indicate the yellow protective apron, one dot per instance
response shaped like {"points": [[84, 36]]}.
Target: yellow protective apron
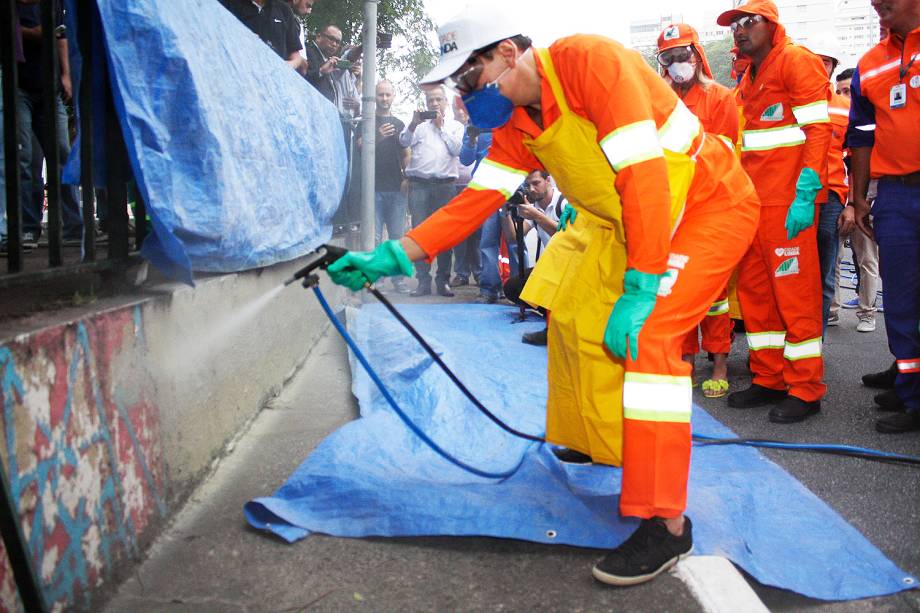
{"points": [[580, 277]]}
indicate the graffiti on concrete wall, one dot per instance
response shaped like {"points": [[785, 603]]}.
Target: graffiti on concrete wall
{"points": [[81, 445]]}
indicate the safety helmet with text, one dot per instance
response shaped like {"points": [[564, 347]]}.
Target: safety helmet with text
{"points": [[683, 35]]}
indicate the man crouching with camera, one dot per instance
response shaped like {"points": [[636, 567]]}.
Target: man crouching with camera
{"points": [[539, 205]]}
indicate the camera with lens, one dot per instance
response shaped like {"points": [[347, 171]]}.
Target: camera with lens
{"points": [[519, 197]]}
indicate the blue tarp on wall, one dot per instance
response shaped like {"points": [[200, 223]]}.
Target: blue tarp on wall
{"points": [[240, 161], [373, 477]]}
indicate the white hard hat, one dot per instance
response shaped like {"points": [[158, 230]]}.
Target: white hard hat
{"points": [[474, 28], [825, 45]]}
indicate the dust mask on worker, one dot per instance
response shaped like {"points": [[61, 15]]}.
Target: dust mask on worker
{"points": [[487, 107], [682, 72]]}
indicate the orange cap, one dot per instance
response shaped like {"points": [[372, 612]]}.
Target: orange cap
{"points": [[765, 8], [683, 35]]}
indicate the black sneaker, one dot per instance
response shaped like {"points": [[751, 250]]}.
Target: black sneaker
{"points": [[792, 410], [650, 550], [535, 338], [882, 380], [570, 456], [889, 401], [755, 396], [898, 423], [459, 281]]}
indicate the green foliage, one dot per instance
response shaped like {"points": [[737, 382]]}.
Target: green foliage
{"points": [[719, 54], [412, 53]]}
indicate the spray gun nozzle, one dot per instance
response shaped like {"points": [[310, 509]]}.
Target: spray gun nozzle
{"points": [[324, 255]]}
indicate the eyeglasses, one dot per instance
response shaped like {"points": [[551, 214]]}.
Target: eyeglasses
{"points": [[745, 22], [333, 39], [678, 54]]}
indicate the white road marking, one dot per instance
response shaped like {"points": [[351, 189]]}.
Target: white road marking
{"points": [[718, 586]]}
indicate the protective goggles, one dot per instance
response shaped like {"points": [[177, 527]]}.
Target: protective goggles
{"points": [[465, 80], [745, 22], [675, 55]]}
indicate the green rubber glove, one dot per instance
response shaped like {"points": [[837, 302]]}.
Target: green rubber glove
{"points": [[568, 216], [801, 213], [630, 312], [356, 268]]}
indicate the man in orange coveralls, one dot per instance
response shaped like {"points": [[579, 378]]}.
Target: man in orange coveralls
{"points": [[785, 135], [664, 213], [687, 70]]}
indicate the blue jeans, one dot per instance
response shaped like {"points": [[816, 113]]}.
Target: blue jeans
{"points": [[390, 210], [490, 283], [32, 121], [424, 200], [828, 243], [896, 219]]}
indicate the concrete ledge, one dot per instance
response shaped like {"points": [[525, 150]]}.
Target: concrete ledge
{"points": [[113, 415]]}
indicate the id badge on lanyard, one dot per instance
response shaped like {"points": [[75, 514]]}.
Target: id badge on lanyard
{"points": [[897, 97]]}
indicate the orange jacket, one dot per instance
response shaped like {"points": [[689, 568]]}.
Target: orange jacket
{"points": [[785, 124], [839, 111], [715, 106], [629, 104], [896, 132]]}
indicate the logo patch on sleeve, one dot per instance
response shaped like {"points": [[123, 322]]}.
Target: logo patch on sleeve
{"points": [[774, 112], [787, 268]]}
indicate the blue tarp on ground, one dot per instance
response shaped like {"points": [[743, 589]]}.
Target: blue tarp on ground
{"points": [[240, 161], [373, 477]]}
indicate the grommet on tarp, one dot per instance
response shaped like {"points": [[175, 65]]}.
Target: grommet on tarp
{"points": [[551, 534]]}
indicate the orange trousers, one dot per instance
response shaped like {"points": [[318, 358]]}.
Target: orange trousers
{"points": [[779, 287], [716, 329], [657, 392]]}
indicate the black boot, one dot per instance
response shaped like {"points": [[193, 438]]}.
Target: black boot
{"points": [[889, 401], [882, 380], [535, 338], [755, 396], [792, 410], [570, 456]]}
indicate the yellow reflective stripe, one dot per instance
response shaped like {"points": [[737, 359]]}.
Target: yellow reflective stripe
{"points": [[727, 141], [679, 131], [877, 71], [805, 349], [772, 138], [718, 308], [501, 178], [816, 112], [766, 340], [660, 398], [632, 144]]}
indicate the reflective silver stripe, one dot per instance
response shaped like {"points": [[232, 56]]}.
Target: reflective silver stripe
{"points": [[805, 349], [766, 340], [657, 397], [835, 110], [869, 127], [632, 144], [501, 178], [679, 131], [877, 71], [908, 366], [772, 138], [816, 112]]}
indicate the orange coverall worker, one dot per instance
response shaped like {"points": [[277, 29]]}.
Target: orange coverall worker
{"points": [[839, 112], [714, 105], [630, 158], [785, 128]]}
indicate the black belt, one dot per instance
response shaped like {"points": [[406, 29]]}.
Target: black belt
{"points": [[432, 180], [908, 179]]}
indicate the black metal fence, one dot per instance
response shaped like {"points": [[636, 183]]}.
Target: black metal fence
{"points": [[112, 229]]}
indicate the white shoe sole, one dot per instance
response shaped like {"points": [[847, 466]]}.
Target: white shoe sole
{"points": [[637, 579]]}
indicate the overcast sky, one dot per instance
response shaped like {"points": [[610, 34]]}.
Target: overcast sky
{"points": [[547, 20]]}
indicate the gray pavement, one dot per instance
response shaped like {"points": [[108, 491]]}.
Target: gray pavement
{"points": [[210, 560]]}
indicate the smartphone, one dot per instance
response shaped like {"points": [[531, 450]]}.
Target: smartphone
{"points": [[428, 115], [343, 64]]}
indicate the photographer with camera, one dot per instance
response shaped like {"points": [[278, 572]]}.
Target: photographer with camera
{"points": [[539, 206], [435, 141], [323, 59]]}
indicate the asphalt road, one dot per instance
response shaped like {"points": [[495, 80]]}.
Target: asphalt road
{"points": [[210, 560]]}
